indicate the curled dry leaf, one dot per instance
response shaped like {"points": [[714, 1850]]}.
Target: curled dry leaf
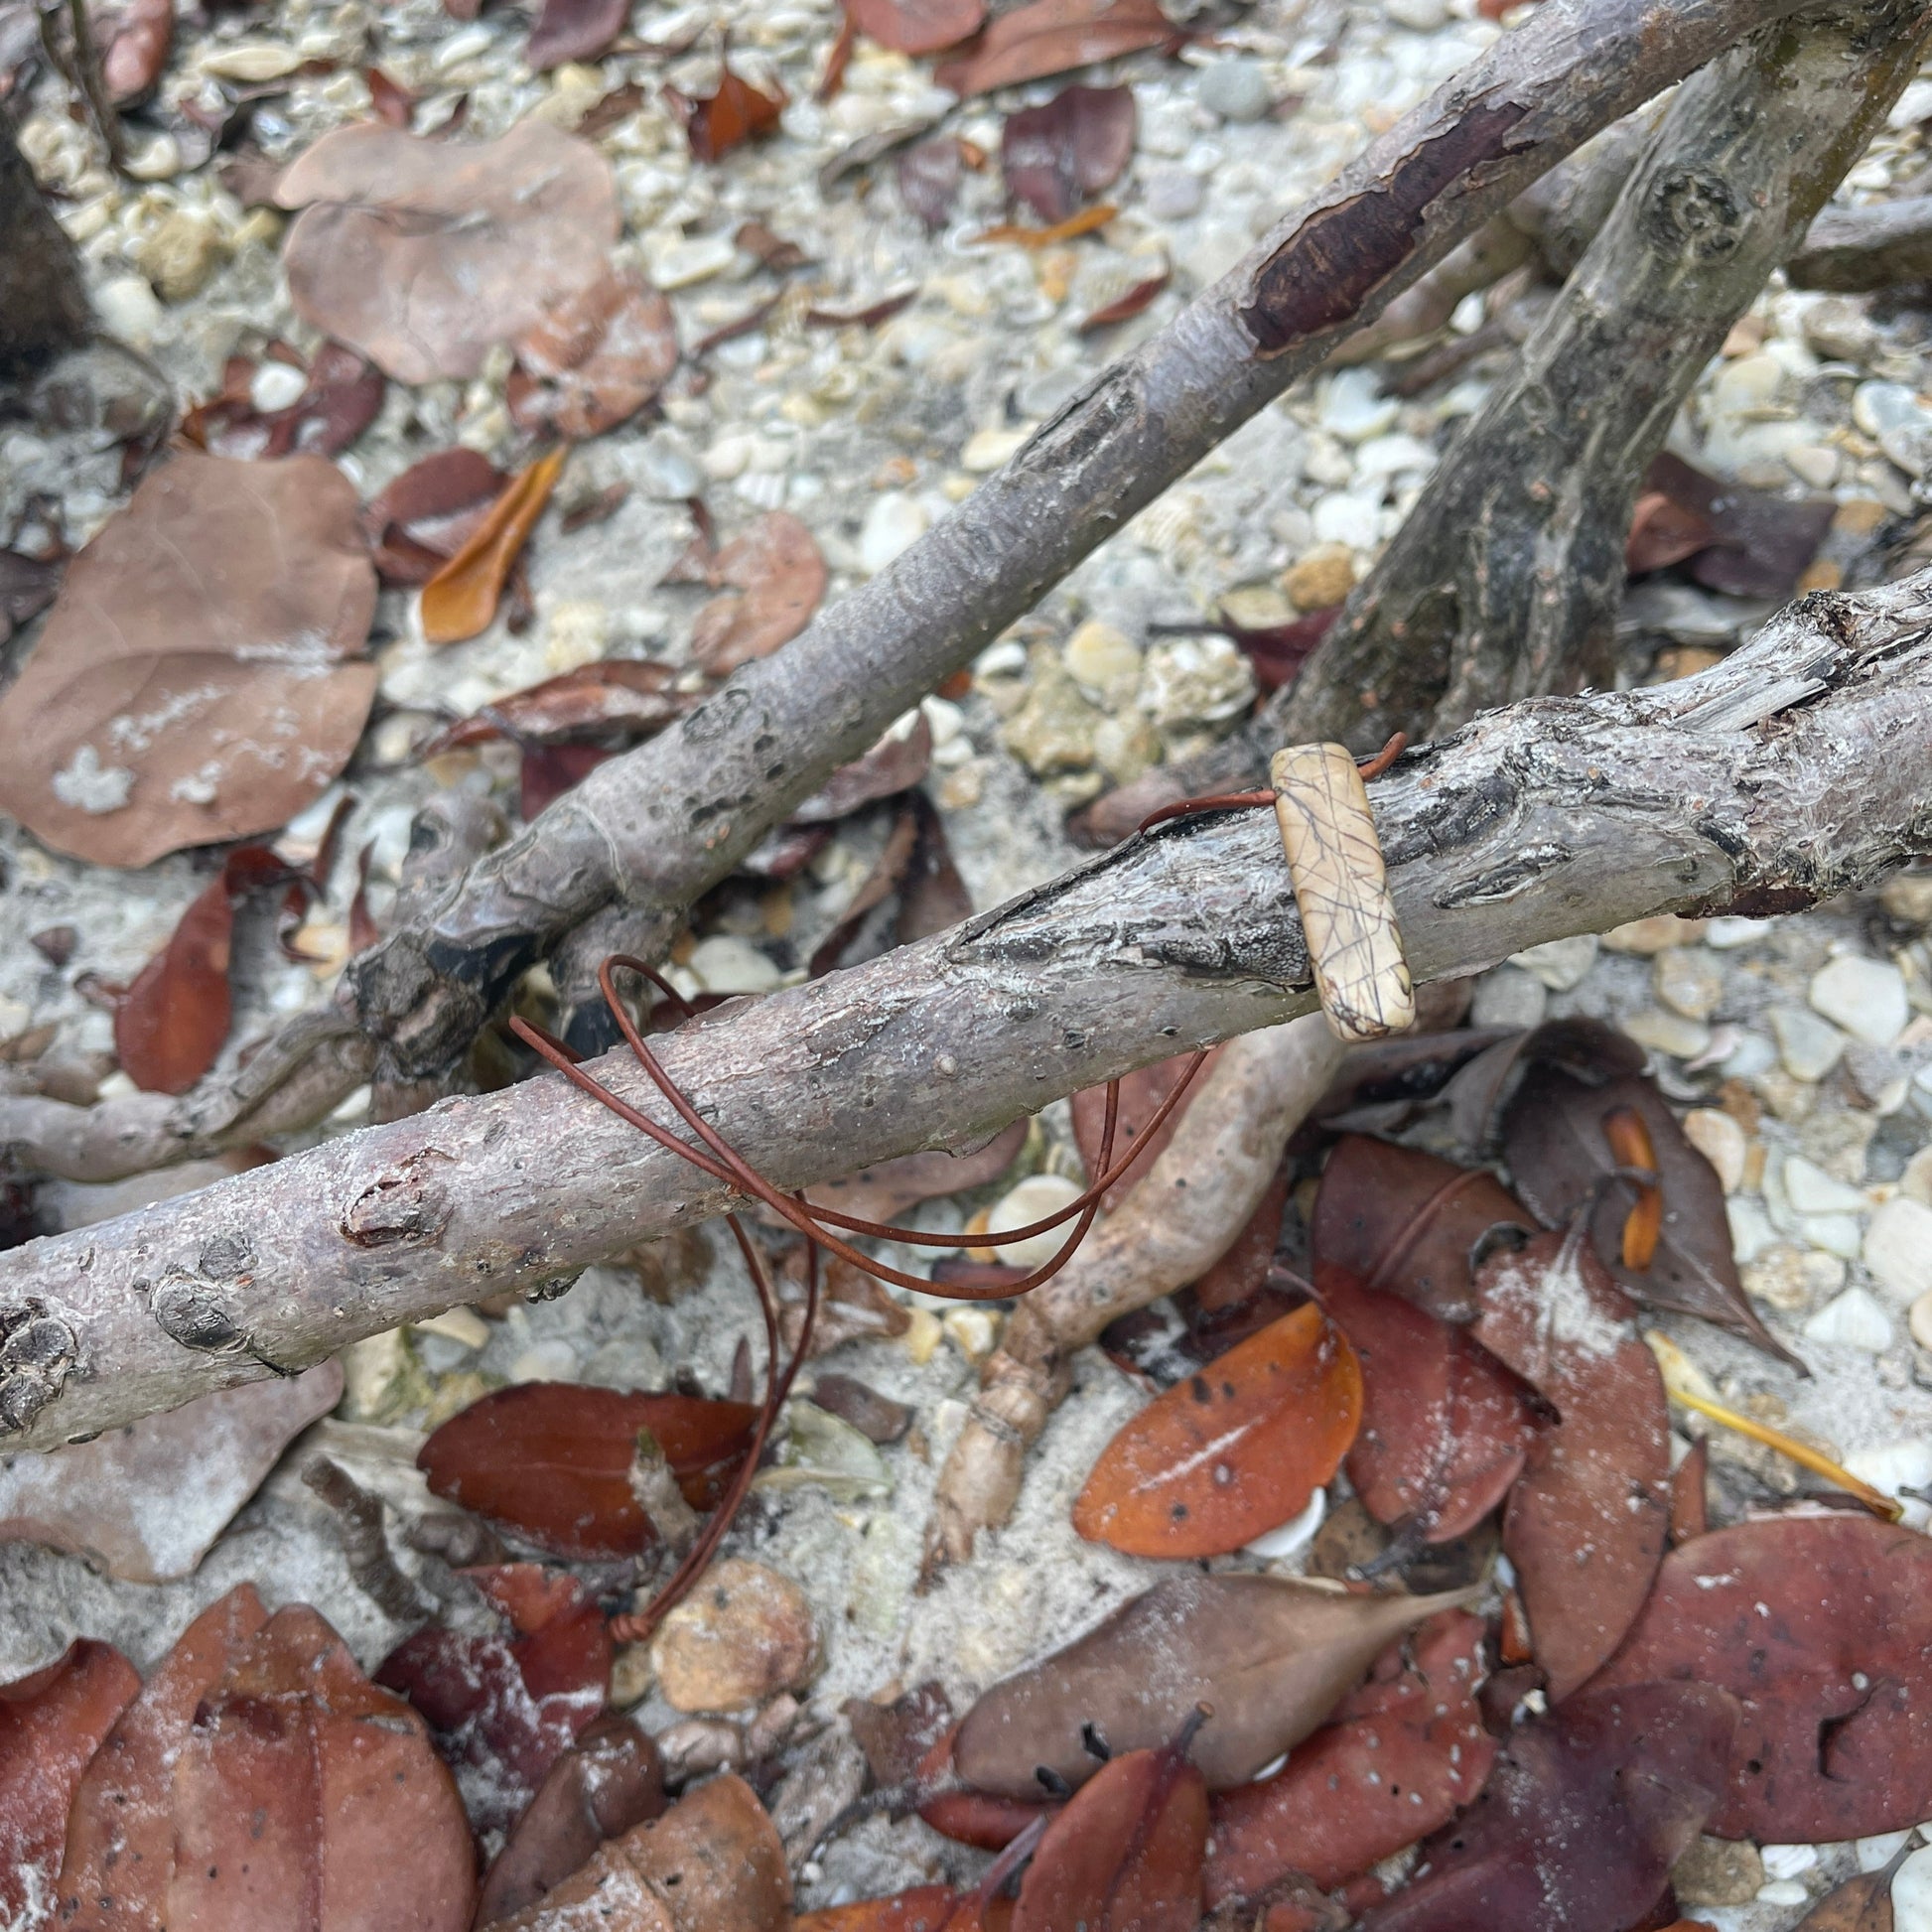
{"points": [[898, 761], [119, 1860], [777, 579], [1231, 1451], [615, 694], [1273, 1657], [928, 179], [597, 356], [419, 521], [191, 683], [917, 27], [573, 29], [1400, 1219], [736, 111], [552, 1461], [1861, 1904], [51, 1725], [883, 1193], [460, 601], [1057, 155], [146, 1502], [134, 57], [1126, 1853], [713, 1863], [609, 1780], [1690, 1501], [344, 396], [1272, 662], [1756, 543], [1561, 1140], [1400, 1758], [1444, 1428], [300, 1780], [895, 1737], [1822, 1625], [425, 253], [1274, 651], [505, 1709], [1588, 1517], [1052, 37], [1582, 1818]]}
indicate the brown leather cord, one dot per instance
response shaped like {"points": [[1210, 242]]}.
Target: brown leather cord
{"points": [[1242, 801]]}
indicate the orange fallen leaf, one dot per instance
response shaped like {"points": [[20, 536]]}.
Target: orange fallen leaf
{"points": [[737, 111], [1232, 1451], [1085, 222], [460, 598], [1630, 1139]]}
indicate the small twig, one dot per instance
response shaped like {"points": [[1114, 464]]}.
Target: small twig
{"points": [[366, 1548], [87, 75], [659, 1497]]}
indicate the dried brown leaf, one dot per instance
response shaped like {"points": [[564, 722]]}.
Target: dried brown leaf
{"points": [[145, 1503], [417, 523], [344, 395], [461, 599], [1761, 542], [137, 52], [191, 683], [1057, 156], [599, 355], [777, 577], [1274, 666], [736, 111], [917, 27], [883, 1193], [898, 761], [573, 29], [1273, 1656], [614, 694], [928, 179], [1053, 36], [425, 253]]}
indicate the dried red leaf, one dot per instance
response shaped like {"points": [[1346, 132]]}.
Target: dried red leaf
{"points": [[895, 1737], [870, 317], [928, 179], [52, 1724], [1582, 1818], [1277, 651], [344, 396], [1057, 156], [1232, 1451], [609, 1780], [505, 1709], [133, 59], [27, 584], [425, 253], [1663, 533], [925, 1909], [421, 519], [119, 1859], [1587, 1518], [552, 1461], [1238, 1276], [600, 355], [300, 1781], [1761, 542], [917, 27], [1690, 1505], [460, 601], [883, 1193], [573, 29], [772, 251], [1053, 36], [1142, 1093], [898, 761], [736, 112], [394, 104], [190, 684], [1271, 1655], [1444, 1430], [777, 577], [1558, 1144], [1400, 1219], [1122, 309], [547, 771], [1400, 1758], [613, 110], [1126, 1853], [614, 694], [1822, 1625]]}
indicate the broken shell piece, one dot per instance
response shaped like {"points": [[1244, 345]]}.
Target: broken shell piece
{"points": [[1341, 887]]}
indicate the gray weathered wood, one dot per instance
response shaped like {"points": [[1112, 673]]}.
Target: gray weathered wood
{"points": [[1797, 769]]}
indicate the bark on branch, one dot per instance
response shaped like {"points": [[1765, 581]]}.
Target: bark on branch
{"points": [[1797, 769]]}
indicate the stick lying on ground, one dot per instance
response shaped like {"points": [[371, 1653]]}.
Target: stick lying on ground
{"points": [[654, 829], [1796, 769]]}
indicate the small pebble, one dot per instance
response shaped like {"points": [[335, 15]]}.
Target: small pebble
{"points": [[1290, 1539], [1668, 1033], [1718, 1871], [1898, 1248], [1751, 1232], [1507, 996], [275, 385], [1854, 1320], [989, 449], [1172, 193], [1652, 935], [1787, 1861], [1560, 964], [1907, 896], [1686, 980], [922, 1336], [545, 1361], [725, 963], [1721, 1141], [1915, 1183], [1894, 1468], [1792, 1280], [1104, 660], [973, 1332], [1236, 89], [1894, 418], [745, 1633], [1807, 1047], [1419, 15], [1353, 406], [1874, 1854], [1912, 1893], [1352, 518], [681, 261], [1727, 933], [893, 522], [125, 306], [1036, 1197], [1783, 1891], [1321, 577], [1811, 1190], [1867, 997]]}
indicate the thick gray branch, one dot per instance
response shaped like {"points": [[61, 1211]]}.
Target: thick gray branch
{"points": [[1856, 249], [1797, 769]]}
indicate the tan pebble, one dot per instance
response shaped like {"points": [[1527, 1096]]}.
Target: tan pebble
{"points": [[1104, 660], [1752, 1179], [1718, 1871], [630, 1674], [1648, 936], [1686, 980], [1668, 1033], [1036, 1197], [1918, 1319], [1860, 516], [1256, 607], [1321, 579], [961, 788], [1788, 1099], [973, 1332], [1821, 574], [1721, 1141], [1908, 898], [1915, 1183], [179, 253], [1684, 660], [742, 1634], [922, 1335]]}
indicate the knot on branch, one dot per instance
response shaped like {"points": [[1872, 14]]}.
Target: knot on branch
{"points": [[188, 1309], [1695, 213], [37, 1352], [408, 1203]]}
